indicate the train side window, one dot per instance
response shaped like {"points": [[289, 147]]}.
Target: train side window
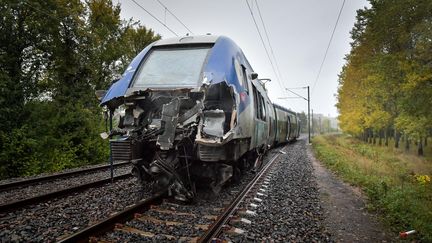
{"points": [[241, 75], [245, 80], [259, 104], [263, 107], [256, 102]]}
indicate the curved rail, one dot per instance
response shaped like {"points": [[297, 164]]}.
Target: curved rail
{"points": [[41, 198], [29, 182], [215, 229]]}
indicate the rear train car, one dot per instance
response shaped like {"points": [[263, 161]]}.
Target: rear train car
{"points": [[288, 125]]}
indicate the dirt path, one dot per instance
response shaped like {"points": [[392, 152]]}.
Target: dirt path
{"points": [[344, 208]]}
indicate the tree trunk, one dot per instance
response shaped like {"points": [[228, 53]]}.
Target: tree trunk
{"points": [[373, 138], [407, 143], [386, 137], [420, 147], [397, 137], [380, 138], [425, 143]]}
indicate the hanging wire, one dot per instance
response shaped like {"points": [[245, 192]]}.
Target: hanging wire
{"points": [[168, 28], [265, 47], [328, 46], [169, 11]]}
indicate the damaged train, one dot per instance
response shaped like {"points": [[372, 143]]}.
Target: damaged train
{"points": [[193, 111]]}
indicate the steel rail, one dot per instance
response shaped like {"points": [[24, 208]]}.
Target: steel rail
{"points": [[29, 182], [215, 229], [41, 198], [109, 223]]}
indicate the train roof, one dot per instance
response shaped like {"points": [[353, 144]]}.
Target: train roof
{"points": [[200, 39], [218, 66], [284, 109]]}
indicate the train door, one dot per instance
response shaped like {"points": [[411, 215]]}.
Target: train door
{"points": [[245, 118], [271, 123], [298, 127], [294, 127], [289, 128], [261, 129]]}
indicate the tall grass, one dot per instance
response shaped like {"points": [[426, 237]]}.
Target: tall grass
{"points": [[395, 183]]}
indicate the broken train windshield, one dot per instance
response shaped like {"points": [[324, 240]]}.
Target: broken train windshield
{"points": [[171, 67]]}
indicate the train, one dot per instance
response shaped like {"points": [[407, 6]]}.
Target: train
{"points": [[193, 112]]}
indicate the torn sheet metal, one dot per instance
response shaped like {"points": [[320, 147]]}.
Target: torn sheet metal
{"points": [[214, 121], [188, 114], [169, 121]]}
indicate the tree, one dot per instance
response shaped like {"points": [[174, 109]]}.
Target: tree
{"points": [[53, 55], [386, 84]]}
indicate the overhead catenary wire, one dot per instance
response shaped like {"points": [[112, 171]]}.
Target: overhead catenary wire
{"points": [[169, 11], [265, 47], [168, 28], [298, 96], [268, 40], [328, 46], [40, 11]]}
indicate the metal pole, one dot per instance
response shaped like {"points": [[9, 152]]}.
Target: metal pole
{"points": [[313, 129], [309, 130], [111, 158]]}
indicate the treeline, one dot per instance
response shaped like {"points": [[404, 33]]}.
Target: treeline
{"points": [[320, 124], [53, 55], [386, 85]]}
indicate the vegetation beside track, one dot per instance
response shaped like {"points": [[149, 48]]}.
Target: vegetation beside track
{"points": [[54, 54], [397, 184]]}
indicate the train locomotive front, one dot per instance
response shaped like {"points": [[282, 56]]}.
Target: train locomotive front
{"points": [[185, 114]]}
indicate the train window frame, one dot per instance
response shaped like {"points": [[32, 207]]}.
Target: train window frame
{"points": [[241, 75], [256, 102], [264, 110], [245, 78], [132, 85], [259, 105]]}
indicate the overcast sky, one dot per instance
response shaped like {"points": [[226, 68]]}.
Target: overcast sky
{"points": [[299, 33]]}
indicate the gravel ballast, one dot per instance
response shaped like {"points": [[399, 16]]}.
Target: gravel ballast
{"points": [[59, 184], [53, 219], [290, 210]]}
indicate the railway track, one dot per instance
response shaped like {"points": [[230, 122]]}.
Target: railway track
{"points": [[55, 194], [159, 219], [33, 181]]}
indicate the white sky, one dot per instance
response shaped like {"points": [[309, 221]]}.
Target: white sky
{"points": [[299, 32]]}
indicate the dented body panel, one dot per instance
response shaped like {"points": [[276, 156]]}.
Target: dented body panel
{"points": [[191, 112]]}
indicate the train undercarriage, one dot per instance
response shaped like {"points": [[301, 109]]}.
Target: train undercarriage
{"points": [[179, 139]]}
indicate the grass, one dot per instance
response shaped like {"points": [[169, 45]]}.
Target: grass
{"points": [[390, 178]]}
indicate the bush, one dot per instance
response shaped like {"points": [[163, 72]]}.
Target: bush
{"points": [[57, 138]]}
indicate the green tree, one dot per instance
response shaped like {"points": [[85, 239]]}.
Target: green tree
{"points": [[53, 55], [386, 84]]}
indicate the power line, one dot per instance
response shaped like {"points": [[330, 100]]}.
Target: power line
{"points": [[265, 48], [174, 16], [41, 11], [139, 5], [297, 88], [268, 40], [328, 46], [299, 96]]}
